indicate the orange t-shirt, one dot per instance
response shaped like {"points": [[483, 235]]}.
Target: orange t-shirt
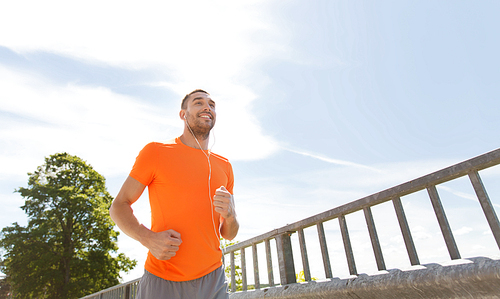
{"points": [[177, 177]]}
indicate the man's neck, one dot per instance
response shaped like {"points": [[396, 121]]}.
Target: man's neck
{"points": [[188, 139]]}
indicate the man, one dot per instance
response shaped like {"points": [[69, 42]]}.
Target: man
{"points": [[190, 193]]}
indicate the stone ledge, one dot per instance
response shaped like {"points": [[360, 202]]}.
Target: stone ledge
{"points": [[467, 278]]}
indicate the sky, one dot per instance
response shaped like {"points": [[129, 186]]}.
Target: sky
{"points": [[319, 103]]}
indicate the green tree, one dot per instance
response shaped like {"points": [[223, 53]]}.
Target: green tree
{"points": [[69, 247]]}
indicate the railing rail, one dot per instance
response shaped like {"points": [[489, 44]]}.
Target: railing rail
{"points": [[122, 291], [282, 235]]}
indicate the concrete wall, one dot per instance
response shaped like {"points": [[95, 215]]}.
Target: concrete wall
{"points": [[465, 278]]}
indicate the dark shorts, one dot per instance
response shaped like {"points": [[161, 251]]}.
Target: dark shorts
{"points": [[211, 286]]}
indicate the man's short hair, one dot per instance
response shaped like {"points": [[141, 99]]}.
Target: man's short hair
{"points": [[183, 104]]}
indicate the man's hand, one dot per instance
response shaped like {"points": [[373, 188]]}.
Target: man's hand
{"points": [[224, 203], [163, 245]]}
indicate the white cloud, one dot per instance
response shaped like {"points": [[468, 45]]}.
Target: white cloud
{"points": [[198, 45], [152, 32], [330, 160], [458, 193], [102, 127], [462, 231]]}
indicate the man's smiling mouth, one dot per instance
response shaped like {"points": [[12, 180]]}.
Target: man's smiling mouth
{"points": [[205, 115]]}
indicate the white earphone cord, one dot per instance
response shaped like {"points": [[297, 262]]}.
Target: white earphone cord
{"points": [[209, 188]]}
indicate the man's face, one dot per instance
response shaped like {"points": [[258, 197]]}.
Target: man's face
{"points": [[200, 113]]}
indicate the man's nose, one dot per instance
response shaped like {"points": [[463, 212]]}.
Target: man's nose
{"points": [[207, 107]]}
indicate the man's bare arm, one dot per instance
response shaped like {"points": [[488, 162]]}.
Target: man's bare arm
{"points": [[163, 245], [229, 228]]}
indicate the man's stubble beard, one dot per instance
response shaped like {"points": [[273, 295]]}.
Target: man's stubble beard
{"points": [[202, 132]]}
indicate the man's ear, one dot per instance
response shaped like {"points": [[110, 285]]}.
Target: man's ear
{"points": [[182, 114]]}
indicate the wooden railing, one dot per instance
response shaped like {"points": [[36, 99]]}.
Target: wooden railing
{"points": [[429, 182]]}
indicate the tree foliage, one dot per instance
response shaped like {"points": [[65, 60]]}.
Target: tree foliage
{"points": [[69, 247]]}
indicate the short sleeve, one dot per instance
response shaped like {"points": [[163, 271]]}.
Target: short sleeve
{"points": [[144, 168], [230, 179]]}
